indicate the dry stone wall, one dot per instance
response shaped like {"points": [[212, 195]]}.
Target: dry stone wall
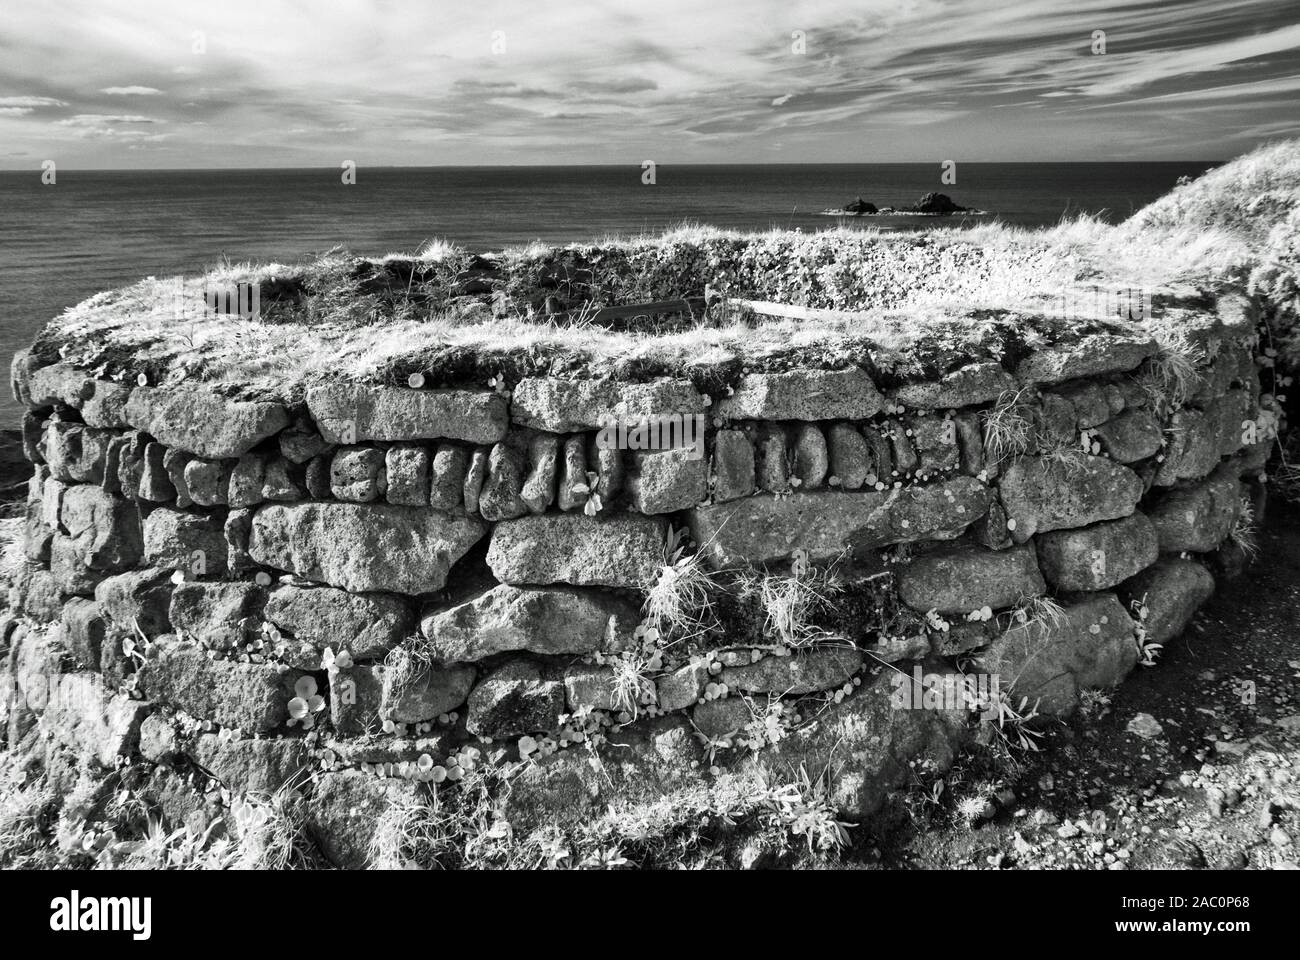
{"points": [[380, 578]]}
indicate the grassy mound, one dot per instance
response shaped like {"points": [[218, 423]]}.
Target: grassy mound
{"points": [[919, 301]]}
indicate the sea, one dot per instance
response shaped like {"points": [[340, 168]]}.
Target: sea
{"points": [[92, 230]]}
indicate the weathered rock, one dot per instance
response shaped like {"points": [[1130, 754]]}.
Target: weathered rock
{"points": [[966, 387], [366, 624], [251, 766], [217, 614], [58, 383], [155, 483], [38, 593], [823, 668], [345, 812], [138, 598], [357, 474], [935, 439], [174, 462], [553, 621], [961, 579], [773, 459], [867, 745], [301, 441], [207, 481], [1041, 495], [591, 688], [69, 573], [538, 492], [362, 547], [803, 395], [83, 715], [768, 530], [105, 529], [84, 629], [719, 719], [1171, 590], [500, 497], [579, 550], [1098, 556], [1054, 421], [683, 687], [253, 697], [159, 741], [352, 413], [514, 700], [318, 477], [902, 451], [663, 481], [1134, 435], [356, 698], [281, 482], [1193, 451], [569, 406], [1232, 417], [406, 466], [811, 458], [447, 478], [128, 453], [970, 445], [194, 542], [1093, 647], [434, 691], [850, 457], [1088, 399], [611, 471], [201, 421], [574, 490], [475, 476], [75, 453], [246, 480], [1090, 356], [882, 455], [1199, 517], [236, 529]]}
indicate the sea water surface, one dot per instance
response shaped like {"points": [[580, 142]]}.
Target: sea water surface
{"points": [[92, 230]]}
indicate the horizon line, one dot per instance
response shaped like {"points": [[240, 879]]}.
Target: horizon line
{"points": [[633, 165]]}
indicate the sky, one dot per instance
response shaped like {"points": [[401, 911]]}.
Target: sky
{"points": [[270, 83]]}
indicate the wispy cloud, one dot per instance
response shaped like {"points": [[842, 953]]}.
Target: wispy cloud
{"points": [[135, 91], [398, 81]]}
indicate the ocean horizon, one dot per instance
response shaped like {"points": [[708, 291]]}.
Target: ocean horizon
{"points": [[96, 229]]}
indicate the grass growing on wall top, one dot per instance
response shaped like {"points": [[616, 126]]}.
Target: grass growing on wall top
{"points": [[926, 300]]}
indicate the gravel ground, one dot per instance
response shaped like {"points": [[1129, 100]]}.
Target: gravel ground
{"points": [[1180, 770]]}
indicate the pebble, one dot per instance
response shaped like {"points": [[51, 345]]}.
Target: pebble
{"points": [[1145, 726]]}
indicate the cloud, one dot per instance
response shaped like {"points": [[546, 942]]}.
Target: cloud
{"points": [[623, 85], [131, 91], [399, 82], [30, 103]]}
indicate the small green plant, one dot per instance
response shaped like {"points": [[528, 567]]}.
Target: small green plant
{"points": [[1045, 611], [1171, 376], [1008, 426], [680, 603], [1244, 533], [805, 808], [1093, 703], [974, 806], [1010, 723]]}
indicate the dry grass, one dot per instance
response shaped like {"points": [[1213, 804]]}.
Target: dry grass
{"points": [[942, 293]]}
